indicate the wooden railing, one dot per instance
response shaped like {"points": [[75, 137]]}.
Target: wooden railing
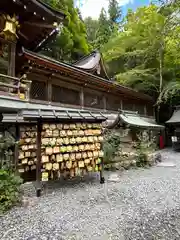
{"points": [[13, 86]]}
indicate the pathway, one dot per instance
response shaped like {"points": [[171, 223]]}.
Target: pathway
{"points": [[144, 204]]}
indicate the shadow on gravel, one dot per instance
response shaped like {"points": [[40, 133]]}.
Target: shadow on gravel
{"points": [[161, 226], [62, 184]]}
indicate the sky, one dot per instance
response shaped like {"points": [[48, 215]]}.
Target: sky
{"points": [[92, 8]]}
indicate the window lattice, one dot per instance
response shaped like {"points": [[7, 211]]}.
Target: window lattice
{"points": [[93, 100], [150, 111], [113, 103], [139, 108], [38, 90], [65, 95], [129, 105]]}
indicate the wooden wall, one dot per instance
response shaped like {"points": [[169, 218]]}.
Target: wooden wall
{"points": [[65, 93]]}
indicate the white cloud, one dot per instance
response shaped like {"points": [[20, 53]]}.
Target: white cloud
{"points": [[92, 8]]}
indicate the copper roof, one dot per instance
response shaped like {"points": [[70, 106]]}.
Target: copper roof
{"points": [[52, 114], [175, 118], [130, 118], [92, 63]]}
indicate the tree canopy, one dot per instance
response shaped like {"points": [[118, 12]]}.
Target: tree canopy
{"points": [[141, 50], [101, 30], [145, 54], [71, 43]]}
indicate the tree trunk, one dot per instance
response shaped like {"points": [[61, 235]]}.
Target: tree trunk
{"points": [[160, 69]]}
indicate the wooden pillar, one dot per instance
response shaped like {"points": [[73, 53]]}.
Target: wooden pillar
{"points": [[12, 59], [104, 103], [121, 104], [16, 148], [134, 107], [102, 179], [49, 91], [145, 110], [82, 98], [38, 164]]}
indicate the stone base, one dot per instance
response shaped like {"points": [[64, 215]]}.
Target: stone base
{"points": [[122, 163], [154, 158]]}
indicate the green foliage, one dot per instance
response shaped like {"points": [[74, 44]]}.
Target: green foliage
{"points": [[141, 159], [9, 189], [71, 43], [114, 11], [104, 30], [99, 31], [145, 55], [145, 143], [6, 152], [5, 143], [110, 146], [92, 26]]}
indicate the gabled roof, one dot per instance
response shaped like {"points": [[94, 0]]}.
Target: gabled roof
{"points": [[175, 119], [92, 63], [82, 75], [132, 119], [36, 20]]}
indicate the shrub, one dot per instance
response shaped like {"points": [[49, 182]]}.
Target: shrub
{"points": [[110, 147], [141, 159], [9, 189]]}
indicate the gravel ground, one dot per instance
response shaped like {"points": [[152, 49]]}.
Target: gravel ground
{"points": [[144, 204]]}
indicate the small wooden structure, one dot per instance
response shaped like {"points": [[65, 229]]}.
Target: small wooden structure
{"points": [[55, 143], [174, 125], [128, 124]]}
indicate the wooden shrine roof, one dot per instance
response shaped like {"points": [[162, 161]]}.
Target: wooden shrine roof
{"points": [[51, 114], [132, 119], [44, 62], [92, 63], [175, 118], [38, 21]]}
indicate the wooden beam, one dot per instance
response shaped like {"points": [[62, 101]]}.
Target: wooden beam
{"points": [[104, 102], [82, 98], [49, 91], [12, 56], [39, 24], [121, 104], [16, 149], [23, 35], [75, 83], [145, 110], [71, 80], [38, 164]]}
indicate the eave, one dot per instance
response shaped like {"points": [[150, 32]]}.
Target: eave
{"points": [[32, 12], [83, 75]]}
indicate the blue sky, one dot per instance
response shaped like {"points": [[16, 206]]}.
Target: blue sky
{"points": [[134, 4], [93, 7]]}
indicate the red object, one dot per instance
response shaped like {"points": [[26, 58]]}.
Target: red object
{"points": [[161, 142]]}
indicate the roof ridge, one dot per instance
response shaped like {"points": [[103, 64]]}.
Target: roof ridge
{"points": [[86, 56]]}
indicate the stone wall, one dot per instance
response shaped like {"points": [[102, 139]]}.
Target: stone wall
{"points": [[127, 154]]}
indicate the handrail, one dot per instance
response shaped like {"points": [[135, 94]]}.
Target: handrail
{"points": [[15, 86], [10, 77]]}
